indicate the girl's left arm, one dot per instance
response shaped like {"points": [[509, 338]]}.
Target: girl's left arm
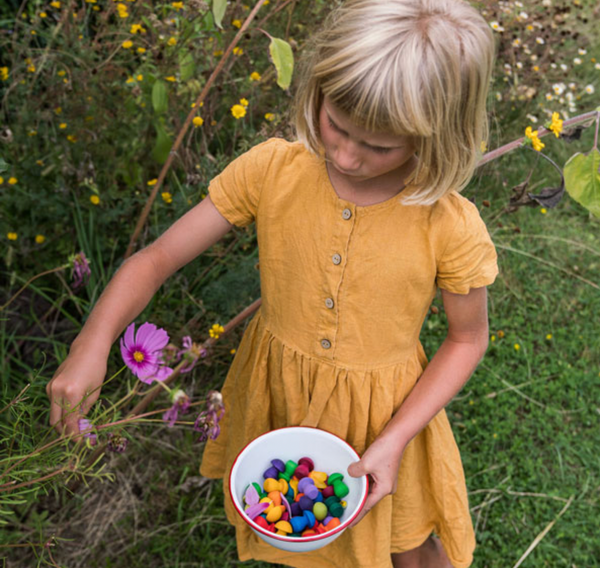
{"points": [[448, 371]]}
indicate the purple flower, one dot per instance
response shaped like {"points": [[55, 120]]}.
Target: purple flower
{"points": [[181, 403], [191, 353], [116, 443], [207, 423], [143, 352], [85, 428], [81, 270]]}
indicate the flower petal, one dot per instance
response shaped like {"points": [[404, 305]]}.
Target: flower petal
{"points": [[254, 510], [144, 331], [152, 338], [251, 495], [129, 335]]}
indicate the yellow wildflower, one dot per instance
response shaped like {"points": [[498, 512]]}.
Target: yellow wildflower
{"points": [[135, 28], [557, 124], [140, 77], [218, 53], [58, 110], [244, 102], [55, 4], [543, 210], [127, 44], [198, 121], [172, 41], [549, 336], [254, 76], [517, 346], [72, 138], [236, 23], [270, 116], [535, 141], [39, 239], [500, 334], [483, 146], [130, 80], [62, 73], [39, 162], [94, 199], [62, 125], [32, 133], [177, 5], [3, 73], [12, 180], [141, 50], [232, 351], [31, 68], [43, 15], [171, 78], [493, 338], [238, 111], [1, 180], [238, 51], [216, 330], [167, 197], [12, 236]]}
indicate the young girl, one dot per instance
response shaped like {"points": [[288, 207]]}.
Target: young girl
{"points": [[358, 224]]}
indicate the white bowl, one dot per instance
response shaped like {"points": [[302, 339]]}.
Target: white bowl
{"points": [[330, 454]]}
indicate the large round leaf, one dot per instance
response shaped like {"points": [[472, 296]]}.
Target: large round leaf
{"points": [[582, 180], [283, 59]]}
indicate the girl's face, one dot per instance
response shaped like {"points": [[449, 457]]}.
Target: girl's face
{"points": [[360, 155]]}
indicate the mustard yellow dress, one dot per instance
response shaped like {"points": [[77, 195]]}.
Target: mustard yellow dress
{"points": [[335, 345]]}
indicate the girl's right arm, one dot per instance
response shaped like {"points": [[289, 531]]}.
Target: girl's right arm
{"points": [[126, 295]]}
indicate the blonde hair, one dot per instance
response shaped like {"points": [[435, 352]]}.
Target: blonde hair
{"points": [[419, 68]]}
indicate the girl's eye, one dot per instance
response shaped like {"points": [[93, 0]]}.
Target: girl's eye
{"points": [[380, 150], [333, 125]]}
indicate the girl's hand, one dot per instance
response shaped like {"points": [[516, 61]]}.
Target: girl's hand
{"points": [[381, 463], [74, 389]]}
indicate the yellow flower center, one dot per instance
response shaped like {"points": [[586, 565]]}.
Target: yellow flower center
{"points": [[138, 356]]}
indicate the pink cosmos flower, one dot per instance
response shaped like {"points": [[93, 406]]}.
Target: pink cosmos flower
{"points": [[190, 353], [181, 403], [207, 423], [142, 352], [81, 270], [85, 428]]}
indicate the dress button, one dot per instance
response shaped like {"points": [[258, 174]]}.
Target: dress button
{"points": [[336, 258], [329, 303], [346, 214], [325, 343]]}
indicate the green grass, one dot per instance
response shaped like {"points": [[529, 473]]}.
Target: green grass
{"points": [[526, 423]]}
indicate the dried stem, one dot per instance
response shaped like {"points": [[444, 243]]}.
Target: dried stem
{"points": [[541, 132], [146, 211], [57, 269]]}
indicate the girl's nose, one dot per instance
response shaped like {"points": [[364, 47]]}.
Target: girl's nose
{"points": [[347, 155]]}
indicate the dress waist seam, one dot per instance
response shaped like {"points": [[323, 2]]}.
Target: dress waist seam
{"points": [[262, 322]]}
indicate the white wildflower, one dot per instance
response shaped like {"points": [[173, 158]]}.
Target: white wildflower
{"points": [[589, 89]]}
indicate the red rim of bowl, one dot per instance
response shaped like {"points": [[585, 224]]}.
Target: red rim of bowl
{"points": [[301, 539]]}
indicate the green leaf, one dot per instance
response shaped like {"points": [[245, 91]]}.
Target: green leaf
{"points": [[218, 10], [3, 165], [163, 144], [582, 180], [160, 99], [186, 65], [283, 59]]}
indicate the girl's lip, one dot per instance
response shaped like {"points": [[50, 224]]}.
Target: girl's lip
{"points": [[345, 172]]}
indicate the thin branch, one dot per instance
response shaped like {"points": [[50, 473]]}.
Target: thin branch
{"points": [[540, 536], [541, 132], [57, 269]]}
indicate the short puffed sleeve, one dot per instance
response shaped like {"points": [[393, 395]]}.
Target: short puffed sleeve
{"points": [[236, 191], [469, 257]]}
